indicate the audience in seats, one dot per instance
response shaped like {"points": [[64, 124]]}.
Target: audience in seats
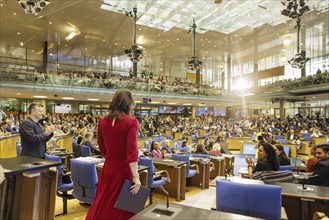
{"points": [[186, 148], [310, 163], [155, 151], [166, 148], [215, 149], [200, 149], [281, 154], [320, 174], [267, 160]]}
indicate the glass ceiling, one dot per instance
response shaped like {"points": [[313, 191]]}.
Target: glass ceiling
{"points": [[226, 17]]}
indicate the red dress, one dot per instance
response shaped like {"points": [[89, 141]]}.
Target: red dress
{"points": [[119, 145]]}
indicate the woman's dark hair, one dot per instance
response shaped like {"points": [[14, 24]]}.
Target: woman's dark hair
{"points": [[280, 148], [122, 103], [271, 156], [200, 148], [152, 145], [184, 143]]}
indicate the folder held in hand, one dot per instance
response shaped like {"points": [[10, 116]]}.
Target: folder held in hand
{"points": [[129, 202]]}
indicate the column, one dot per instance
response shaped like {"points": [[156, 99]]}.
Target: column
{"points": [[229, 75], [281, 109]]}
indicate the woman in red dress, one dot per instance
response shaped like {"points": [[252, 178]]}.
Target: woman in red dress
{"points": [[117, 141]]}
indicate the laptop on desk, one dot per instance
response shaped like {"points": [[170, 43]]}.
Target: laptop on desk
{"points": [[249, 149]]}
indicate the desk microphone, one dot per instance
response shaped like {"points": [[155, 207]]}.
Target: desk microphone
{"points": [[305, 180]]}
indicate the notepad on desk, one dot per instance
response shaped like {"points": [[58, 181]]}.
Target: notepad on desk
{"points": [[129, 202]]}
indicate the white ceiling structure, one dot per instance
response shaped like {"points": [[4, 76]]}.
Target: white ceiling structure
{"points": [[102, 30]]}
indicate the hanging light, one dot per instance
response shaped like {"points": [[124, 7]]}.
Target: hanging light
{"points": [[33, 6]]}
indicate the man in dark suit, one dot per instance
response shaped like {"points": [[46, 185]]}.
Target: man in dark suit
{"points": [[33, 135], [320, 174]]}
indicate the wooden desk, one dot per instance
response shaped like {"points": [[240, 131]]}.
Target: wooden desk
{"points": [[202, 178], [8, 146], [65, 141], [177, 172], [236, 144], [300, 204], [319, 140], [219, 166], [27, 196], [184, 212]]}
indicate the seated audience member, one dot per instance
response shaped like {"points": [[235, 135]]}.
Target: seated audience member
{"points": [[87, 141], [297, 142], [215, 149], [186, 148], [200, 149], [166, 148], [281, 154], [310, 163], [207, 144], [320, 174], [267, 160], [155, 151], [81, 135], [316, 133], [269, 138]]}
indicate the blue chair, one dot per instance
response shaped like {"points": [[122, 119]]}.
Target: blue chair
{"points": [[278, 137], [18, 148], [256, 200], [286, 167], [62, 188], [282, 141], [169, 137], [84, 177], [307, 137], [205, 156], [178, 145], [186, 158], [153, 183], [85, 151]]}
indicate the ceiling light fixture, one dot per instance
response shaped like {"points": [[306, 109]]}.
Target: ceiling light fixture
{"points": [[40, 97], [33, 6], [68, 98], [72, 35], [92, 99], [194, 63], [136, 52]]}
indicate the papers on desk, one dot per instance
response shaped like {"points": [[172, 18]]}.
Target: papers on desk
{"points": [[90, 159], [166, 160]]}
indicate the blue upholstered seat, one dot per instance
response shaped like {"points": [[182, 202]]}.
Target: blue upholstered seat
{"points": [[151, 183], [62, 188], [84, 177], [85, 151], [256, 200], [286, 167], [18, 148], [278, 137], [185, 158], [307, 137], [282, 141], [201, 155]]}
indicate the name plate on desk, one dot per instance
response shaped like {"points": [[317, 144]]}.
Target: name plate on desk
{"points": [[31, 174]]}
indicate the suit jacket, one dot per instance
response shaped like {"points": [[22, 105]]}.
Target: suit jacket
{"points": [[320, 174], [33, 138]]}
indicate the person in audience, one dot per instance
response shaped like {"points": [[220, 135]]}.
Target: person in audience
{"points": [[186, 148], [155, 151], [117, 141], [81, 135], [310, 163], [200, 149], [215, 149], [281, 154], [166, 148], [267, 160], [320, 174], [88, 141], [269, 138], [33, 135], [207, 144], [316, 133]]}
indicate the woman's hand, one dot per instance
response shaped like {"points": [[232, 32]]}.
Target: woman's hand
{"points": [[135, 188], [249, 161]]}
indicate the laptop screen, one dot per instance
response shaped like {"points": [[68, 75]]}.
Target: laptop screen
{"points": [[249, 149], [286, 150]]}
